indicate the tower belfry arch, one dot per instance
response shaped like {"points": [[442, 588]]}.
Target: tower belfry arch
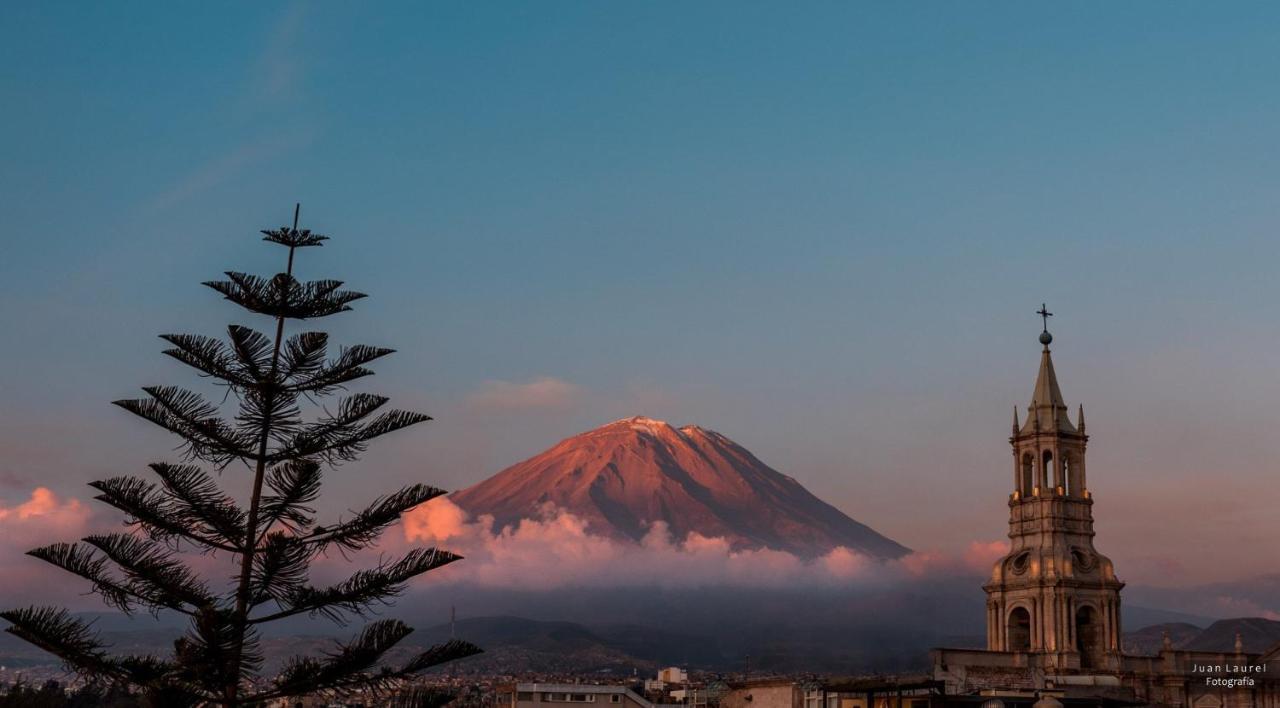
{"points": [[1053, 594]]}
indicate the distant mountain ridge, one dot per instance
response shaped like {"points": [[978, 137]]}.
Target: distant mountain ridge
{"points": [[623, 477], [687, 629], [1149, 640], [1257, 635]]}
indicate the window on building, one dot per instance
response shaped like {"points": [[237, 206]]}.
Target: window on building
{"points": [[1019, 629]]}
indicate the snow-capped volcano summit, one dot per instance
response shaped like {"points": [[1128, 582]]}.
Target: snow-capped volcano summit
{"points": [[624, 476]]}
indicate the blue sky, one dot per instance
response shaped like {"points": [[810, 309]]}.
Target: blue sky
{"points": [[820, 229]]}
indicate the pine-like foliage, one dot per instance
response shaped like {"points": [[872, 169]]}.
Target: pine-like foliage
{"points": [[279, 454]]}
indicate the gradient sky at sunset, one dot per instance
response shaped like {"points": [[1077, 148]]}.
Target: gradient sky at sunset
{"points": [[822, 232]]}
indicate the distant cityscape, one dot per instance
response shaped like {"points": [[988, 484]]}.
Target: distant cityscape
{"points": [[1053, 618]]}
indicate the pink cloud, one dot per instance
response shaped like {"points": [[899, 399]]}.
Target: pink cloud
{"points": [[927, 562], [44, 508], [555, 550], [977, 558], [542, 392], [41, 519], [435, 521], [980, 556], [558, 550]]}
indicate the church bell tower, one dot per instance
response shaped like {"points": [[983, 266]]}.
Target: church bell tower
{"points": [[1053, 594]]}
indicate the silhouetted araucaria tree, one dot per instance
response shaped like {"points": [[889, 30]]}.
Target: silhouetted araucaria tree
{"points": [[273, 543]]}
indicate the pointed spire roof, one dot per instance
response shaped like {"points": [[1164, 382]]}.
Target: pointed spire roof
{"points": [[1047, 406], [1047, 392]]}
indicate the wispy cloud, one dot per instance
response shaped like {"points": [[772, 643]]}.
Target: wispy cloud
{"points": [[278, 71], [274, 82], [224, 167], [543, 392]]}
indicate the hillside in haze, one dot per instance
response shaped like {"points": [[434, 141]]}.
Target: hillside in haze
{"points": [[624, 477], [1149, 640], [1257, 634], [621, 632]]}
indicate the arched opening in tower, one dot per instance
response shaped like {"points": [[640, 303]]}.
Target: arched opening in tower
{"points": [[1028, 474], [1019, 629], [1088, 637]]}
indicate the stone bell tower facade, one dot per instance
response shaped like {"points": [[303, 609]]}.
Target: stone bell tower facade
{"points": [[1053, 595]]}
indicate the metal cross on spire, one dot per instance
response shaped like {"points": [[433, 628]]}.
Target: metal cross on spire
{"points": [[1044, 315]]}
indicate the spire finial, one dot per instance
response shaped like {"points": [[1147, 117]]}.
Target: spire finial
{"points": [[1080, 418], [1044, 313], [1015, 420]]}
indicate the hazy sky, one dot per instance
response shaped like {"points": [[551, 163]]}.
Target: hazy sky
{"points": [[822, 230]]}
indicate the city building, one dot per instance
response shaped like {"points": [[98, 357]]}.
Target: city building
{"points": [[570, 695], [763, 693], [673, 674], [1053, 610]]}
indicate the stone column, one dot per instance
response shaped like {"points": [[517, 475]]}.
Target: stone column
{"points": [[1064, 627], [1051, 614], [1004, 626], [1035, 624], [1071, 623], [991, 635], [1115, 624], [1058, 481], [1106, 623], [1119, 624]]}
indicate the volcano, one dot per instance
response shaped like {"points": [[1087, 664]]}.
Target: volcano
{"points": [[623, 477]]}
